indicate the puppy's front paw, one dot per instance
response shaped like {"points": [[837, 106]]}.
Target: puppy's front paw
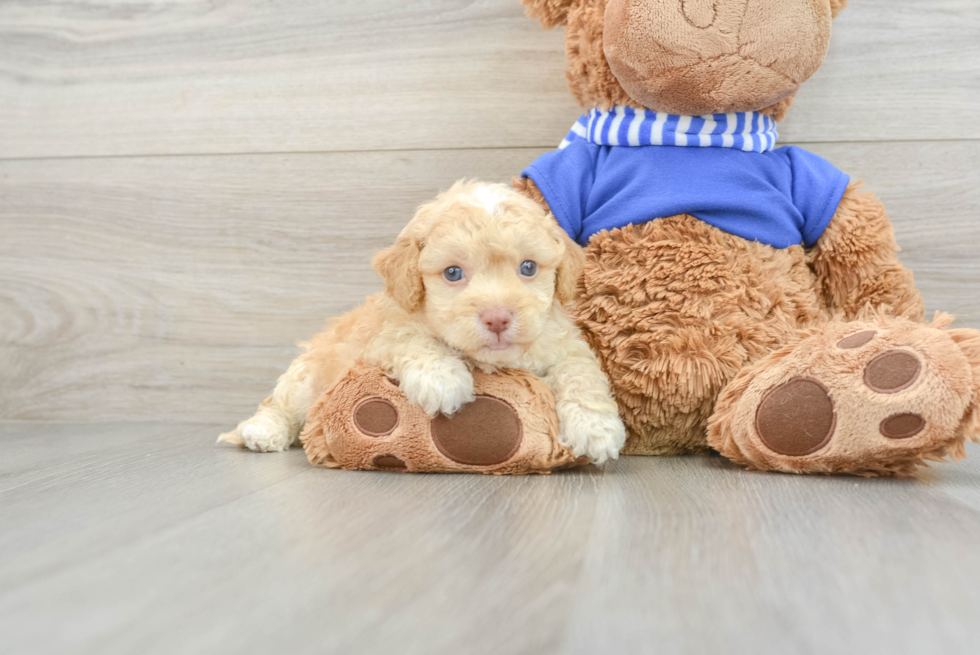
{"points": [[439, 387], [264, 434], [599, 435]]}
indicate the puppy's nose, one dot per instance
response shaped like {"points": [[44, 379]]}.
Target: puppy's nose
{"points": [[496, 320]]}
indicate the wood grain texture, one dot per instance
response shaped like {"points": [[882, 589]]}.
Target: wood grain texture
{"points": [[209, 76], [150, 539], [157, 288], [779, 563], [124, 472], [158, 259]]}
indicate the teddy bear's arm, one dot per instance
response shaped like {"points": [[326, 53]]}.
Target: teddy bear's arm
{"points": [[856, 260]]}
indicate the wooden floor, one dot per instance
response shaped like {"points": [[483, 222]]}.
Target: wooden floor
{"points": [[188, 188], [146, 538]]}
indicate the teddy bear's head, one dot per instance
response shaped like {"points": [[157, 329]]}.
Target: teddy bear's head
{"points": [[690, 56]]}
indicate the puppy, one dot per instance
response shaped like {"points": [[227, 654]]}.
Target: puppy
{"points": [[475, 280]]}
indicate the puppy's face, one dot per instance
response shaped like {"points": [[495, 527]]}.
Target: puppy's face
{"points": [[482, 266]]}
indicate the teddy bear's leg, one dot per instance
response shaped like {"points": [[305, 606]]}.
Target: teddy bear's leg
{"points": [[856, 261], [875, 396], [365, 421]]}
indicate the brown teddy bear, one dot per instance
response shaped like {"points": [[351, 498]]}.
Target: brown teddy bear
{"points": [[740, 296]]}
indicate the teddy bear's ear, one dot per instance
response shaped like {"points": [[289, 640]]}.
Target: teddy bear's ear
{"points": [[554, 12], [837, 6]]}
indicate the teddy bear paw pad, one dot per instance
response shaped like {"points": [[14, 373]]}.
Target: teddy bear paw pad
{"points": [[484, 432], [796, 418]]}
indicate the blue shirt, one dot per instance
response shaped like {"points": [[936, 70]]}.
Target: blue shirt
{"points": [[780, 197]]}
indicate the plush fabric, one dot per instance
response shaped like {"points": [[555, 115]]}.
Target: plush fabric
{"points": [[707, 56], [884, 420], [808, 358], [628, 126], [365, 422], [589, 74], [675, 308], [779, 197]]}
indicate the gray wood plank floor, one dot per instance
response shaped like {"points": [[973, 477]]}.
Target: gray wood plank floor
{"points": [[146, 538]]}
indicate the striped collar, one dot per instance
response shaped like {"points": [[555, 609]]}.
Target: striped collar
{"points": [[626, 126]]}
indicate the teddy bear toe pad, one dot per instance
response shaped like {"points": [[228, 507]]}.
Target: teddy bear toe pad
{"points": [[902, 426], [388, 463], [849, 399], [375, 417], [893, 371], [857, 340]]}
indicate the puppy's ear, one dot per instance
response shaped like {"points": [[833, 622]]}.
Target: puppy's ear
{"points": [[837, 6], [399, 266], [569, 270], [549, 12]]}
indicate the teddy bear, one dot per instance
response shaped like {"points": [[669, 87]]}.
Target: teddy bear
{"points": [[742, 297]]}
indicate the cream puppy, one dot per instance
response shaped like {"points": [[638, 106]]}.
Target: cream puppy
{"points": [[475, 280]]}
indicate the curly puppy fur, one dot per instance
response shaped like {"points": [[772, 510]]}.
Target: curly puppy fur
{"points": [[428, 332]]}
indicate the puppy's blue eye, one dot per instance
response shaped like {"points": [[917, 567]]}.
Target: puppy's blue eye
{"points": [[453, 273], [529, 268]]}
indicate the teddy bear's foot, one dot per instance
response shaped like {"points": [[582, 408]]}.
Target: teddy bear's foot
{"points": [[365, 421], [874, 397]]}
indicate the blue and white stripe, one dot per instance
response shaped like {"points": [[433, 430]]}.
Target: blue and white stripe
{"points": [[626, 126]]}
